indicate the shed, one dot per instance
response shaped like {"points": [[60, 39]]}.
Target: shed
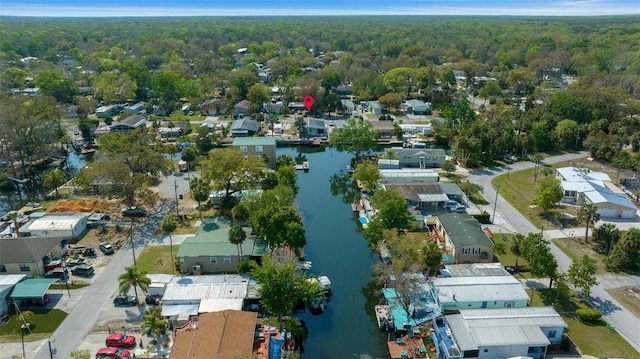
{"points": [[64, 225]]}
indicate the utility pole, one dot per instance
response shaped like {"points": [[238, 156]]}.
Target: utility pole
{"points": [[175, 188], [133, 251]]}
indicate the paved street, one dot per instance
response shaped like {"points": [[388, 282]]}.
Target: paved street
{"points": [[623, 320]]}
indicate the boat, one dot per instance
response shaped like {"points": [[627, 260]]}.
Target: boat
{"points": [[305, 166], [325, 284], [350, 169], [384, 318], [304, 265], [364, 221], [318, 305]]}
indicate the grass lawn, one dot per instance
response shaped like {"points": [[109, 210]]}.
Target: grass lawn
{"points": [[575, 248], [592, 338], [629, 297], [43, 324], [157, 259]]}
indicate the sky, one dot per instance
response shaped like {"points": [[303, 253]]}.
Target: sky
{"points": [[124, 8]]}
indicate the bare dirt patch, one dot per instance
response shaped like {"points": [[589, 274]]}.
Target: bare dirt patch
{"points": [[93, 205]]}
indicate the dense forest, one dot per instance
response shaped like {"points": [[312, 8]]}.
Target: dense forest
{"points": [[579, 76]]}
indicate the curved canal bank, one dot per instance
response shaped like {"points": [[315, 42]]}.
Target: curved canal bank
{"points": [[348, 328]]}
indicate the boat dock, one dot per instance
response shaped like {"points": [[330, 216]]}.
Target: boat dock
{"points": [[407, 346], [384, 318], [303, 167]]}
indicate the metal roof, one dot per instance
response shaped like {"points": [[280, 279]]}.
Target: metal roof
{"points": [[254, 141], [581, 174], [602, 197], [509, 335], [220, 304], [216, 243], [58, 221], [31, 289], [477, 269], [192, 292], [479, 289]]}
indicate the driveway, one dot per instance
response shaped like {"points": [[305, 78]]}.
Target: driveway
{"points": [[508, 219]]}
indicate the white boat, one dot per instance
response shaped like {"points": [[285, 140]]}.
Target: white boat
{"points": [[325, 284], [383, 316], [304, 265]]}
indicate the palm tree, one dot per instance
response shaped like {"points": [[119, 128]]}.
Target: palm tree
{"points": [[189, 155], [515, 247], [588, 214], [53, 178], [133, 277], [608, 234], [154, 324], [169, 225], [240, 213], [237, 235]]}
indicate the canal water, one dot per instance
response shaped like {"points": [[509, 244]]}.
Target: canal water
{"points": [[335, 245]]}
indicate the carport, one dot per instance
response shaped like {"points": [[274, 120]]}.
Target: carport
{"points": [[32, 291]]}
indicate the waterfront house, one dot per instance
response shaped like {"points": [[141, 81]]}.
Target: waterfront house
{"points": [[128, 124], [29, 255], [225, 334], [464, 238], [498, 333], [258, 147], [241, 108], [210, 251], [499, 291], [244, 128], [214, 107], [400, 176], [419, 195], [581, 185], [385, 128], [315, 128], [419, 157]]}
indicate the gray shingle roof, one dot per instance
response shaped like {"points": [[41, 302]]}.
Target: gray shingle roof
{"points": [[463, 229]]}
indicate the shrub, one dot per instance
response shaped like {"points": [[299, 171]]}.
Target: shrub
{"points": [[588, 314], [483, 217], [565, 344]]}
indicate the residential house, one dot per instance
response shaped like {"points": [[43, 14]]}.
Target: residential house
{"points": [[415, 129], [385, 128], [376, 108], [225, 334], [464, 238], [69, 226], [214, 107], [348, 106], [452, 191], [418, 107], [475, 292], [419, 157], [343, 91], [275, 108], [7, 283], [419, 195], [107, 111], [408, 176], [210, 251], [388, 164], [265, 76], [296, 107], [580, 185], [498, 333], [315, 128], [244, 128], [241, 109], [134, 109], [173, 130], [128, 124], [259, 147], [473, 270], [28, 255]]}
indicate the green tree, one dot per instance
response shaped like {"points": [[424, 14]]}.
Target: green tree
{"points": [[155, 324], [300, 125], [391, 100], [169, 225], [257, 94], [582, 274], [490, 89], [284, 160], [356, 137], [626, 253], [368, 173], [111, 87], [515, 247], [622, 159], [588, 214], [189, 155], [227, 170], [55, 84], [431, 256], [132, 277], [237, 236], [499, 248], [287, 176], [448, 166], [199, 190], [374, 233], [241, 213], [537, 252], [399, 80], [54, 178], [566, 132], [280, 289], [547, 193], [608, 234], [279, 226], [391, 209]]}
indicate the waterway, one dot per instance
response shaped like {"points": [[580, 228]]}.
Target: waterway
{"points": [[348, 328]]}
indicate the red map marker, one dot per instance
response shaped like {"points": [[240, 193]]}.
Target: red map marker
{"points": [[308, 102]]}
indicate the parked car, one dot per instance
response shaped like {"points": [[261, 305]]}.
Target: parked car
{"points": [[112, 353], [61, 274], [119, 340], [153, 299], [125, 300], [106, 248], [84, 270], [133, 211]]}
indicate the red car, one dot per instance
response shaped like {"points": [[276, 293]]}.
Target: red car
{"points": [[112, 353], [120, 340]]}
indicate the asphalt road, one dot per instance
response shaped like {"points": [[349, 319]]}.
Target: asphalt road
{"points": [[508, 219]]}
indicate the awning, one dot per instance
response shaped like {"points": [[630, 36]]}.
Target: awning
{"points": [[31, 289], [220, 304], [178, 309]]}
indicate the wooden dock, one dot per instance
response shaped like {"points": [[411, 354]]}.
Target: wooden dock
{"points": [[407, 347]]}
